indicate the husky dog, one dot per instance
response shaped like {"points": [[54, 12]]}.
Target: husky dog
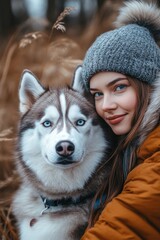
{"points": [[60, 149]]}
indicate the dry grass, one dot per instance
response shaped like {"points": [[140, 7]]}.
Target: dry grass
{"points": [[52, 56]]}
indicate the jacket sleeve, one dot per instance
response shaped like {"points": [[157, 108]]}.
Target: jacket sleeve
{"points": [[135, 212]]}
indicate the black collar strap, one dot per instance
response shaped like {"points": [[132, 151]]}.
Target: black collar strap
{"points": [[66, 202]]}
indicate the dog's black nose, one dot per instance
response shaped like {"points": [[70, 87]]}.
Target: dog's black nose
{"points": [[65, 148]]}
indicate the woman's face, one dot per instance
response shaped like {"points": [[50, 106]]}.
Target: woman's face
{"points": [[115, 100]]}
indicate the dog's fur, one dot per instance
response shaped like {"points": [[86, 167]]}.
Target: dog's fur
{"points": [[60, 149]]}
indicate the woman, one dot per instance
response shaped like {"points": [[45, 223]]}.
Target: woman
{"points": [[122, 71]]}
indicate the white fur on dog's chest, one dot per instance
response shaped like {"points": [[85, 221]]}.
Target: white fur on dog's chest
{"points": [[48, 228], [54, 224]]}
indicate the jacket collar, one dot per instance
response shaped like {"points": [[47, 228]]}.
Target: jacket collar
{"points": [[150, 145]]}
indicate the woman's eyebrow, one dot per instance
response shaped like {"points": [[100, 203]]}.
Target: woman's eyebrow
{"points": [[93, 89], [116, 80]]}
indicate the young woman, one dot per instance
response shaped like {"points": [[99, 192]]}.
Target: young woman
{"points": [[122, 71]]}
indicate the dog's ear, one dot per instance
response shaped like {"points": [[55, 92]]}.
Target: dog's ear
{"points": [[77, 83], [30, 89]]}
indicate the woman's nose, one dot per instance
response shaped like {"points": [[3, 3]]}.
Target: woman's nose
{"points": [[108, 103]]}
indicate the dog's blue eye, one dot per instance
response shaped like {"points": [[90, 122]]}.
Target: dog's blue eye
{"points": [[47, 124], [80, 122]]}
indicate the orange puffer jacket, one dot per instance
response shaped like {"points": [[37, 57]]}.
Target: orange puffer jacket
{"points": [[135, 212]]}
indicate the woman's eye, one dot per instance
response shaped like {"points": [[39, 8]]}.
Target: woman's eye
{"points": [[80, 122], [47, 123], [97, 94], [120, 87]]}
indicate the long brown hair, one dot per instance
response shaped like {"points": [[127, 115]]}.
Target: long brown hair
{"points": [[124, 157]]}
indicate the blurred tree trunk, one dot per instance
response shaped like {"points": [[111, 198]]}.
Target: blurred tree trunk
{"points": [[6, 17]]}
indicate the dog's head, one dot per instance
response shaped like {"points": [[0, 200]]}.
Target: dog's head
{"points": [[61, 140]]}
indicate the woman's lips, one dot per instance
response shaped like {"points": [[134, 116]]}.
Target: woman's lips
{"points": [[115, 119]]}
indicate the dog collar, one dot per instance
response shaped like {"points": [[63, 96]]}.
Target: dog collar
{"points": [[65, 202]]}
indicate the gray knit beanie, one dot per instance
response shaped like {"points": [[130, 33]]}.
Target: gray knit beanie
{"points": [[132, 49]]}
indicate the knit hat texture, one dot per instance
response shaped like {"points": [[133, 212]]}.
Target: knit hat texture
{"points": [[131, 49]]}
